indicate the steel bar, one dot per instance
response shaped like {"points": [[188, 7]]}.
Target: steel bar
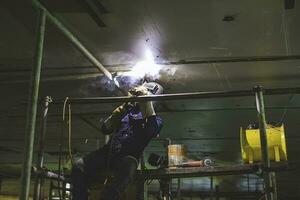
{"points": [[41, 149], [165, 188], [268, 182], [274, 185], [209, 171], [199, 172], [180, 96], [204, 194], [179, 189], [232, 60], [211, 187], [91, 114], [50, 190], [74, 40], [48, 174], [68, 34], [32, 107]]}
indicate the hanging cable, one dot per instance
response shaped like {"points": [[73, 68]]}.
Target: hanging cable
{"points": [[70, 134], [285, 110], [61, 144], [62, 132]]}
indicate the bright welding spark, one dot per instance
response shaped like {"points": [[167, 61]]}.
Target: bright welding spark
{"points": [[146, 67]]}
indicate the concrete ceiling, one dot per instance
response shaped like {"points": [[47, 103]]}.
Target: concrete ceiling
{"points": [[174, 31]]}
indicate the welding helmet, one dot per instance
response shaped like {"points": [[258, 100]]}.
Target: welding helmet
{"points": [[153, 87]]}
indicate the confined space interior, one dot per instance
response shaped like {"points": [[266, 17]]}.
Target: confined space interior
{"points": [[209, 56]]}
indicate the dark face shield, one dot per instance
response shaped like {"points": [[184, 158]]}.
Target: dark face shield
{"points": [[154, 88]]}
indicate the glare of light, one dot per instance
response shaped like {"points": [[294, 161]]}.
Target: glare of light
{"points": [[149, 55], [146, 67]]}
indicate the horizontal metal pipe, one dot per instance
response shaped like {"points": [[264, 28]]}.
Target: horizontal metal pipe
{"points": [[47, 174], [209, 171], [105, 113], [232, 60], [180, 96]]}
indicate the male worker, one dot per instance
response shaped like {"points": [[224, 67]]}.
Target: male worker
{"points": [[133, 126]]}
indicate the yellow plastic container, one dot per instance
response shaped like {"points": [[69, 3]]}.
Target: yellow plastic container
{"points": [[251, 148]]}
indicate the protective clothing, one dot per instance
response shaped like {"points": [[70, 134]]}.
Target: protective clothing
{"points": [[148, 88], [112, 123], [133, 134]]}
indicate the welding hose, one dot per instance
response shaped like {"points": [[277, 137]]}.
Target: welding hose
{"points": [[69, 123], [61, 144], [70, 134]]}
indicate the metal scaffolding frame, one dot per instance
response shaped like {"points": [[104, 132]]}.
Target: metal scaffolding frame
{"points": [[34, 87], [34, 92], [258, 92]]}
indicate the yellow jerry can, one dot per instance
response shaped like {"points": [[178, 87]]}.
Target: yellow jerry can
{"points": [[251, 148]]}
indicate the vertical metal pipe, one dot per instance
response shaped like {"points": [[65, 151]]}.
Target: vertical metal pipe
{"points": [[263, 140], [179, 189], [165, 188], [41, 148], [274, 185], [217, 192], [144, 185], [211, 187], [50, 190], [145, 190], [248, 183], [32, 108]]}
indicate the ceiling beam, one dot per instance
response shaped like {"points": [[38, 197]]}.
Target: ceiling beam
{"points": [[95, 10], [289, 4]]}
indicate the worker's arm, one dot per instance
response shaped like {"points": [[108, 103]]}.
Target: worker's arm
{"points": [[114, 120], [146, 108]]}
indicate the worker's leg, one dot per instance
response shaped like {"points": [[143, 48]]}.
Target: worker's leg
{"points": [[83, 170], [124, 175], [79, 181]]}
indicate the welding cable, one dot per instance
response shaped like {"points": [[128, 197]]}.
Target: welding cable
{"points": [[61, 144], [148, 181], [262, 196], [285, 110], [70, 134], [62, 132]]}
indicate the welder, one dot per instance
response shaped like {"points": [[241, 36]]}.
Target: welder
{"points": [[131, 126]]}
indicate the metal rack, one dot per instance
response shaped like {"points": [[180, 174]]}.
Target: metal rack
{"points": [[165, 175], [44, 15]]}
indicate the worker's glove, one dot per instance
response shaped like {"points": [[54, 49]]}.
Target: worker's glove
{"points": [[139, 91], [146, 108]]}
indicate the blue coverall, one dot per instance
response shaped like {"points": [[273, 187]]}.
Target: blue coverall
{"points": [[129, 141]]}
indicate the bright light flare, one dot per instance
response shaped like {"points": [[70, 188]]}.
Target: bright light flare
{"points": [[145, 67]]}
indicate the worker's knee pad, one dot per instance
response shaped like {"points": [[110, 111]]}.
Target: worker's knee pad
{"points": [[129, 165]]}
